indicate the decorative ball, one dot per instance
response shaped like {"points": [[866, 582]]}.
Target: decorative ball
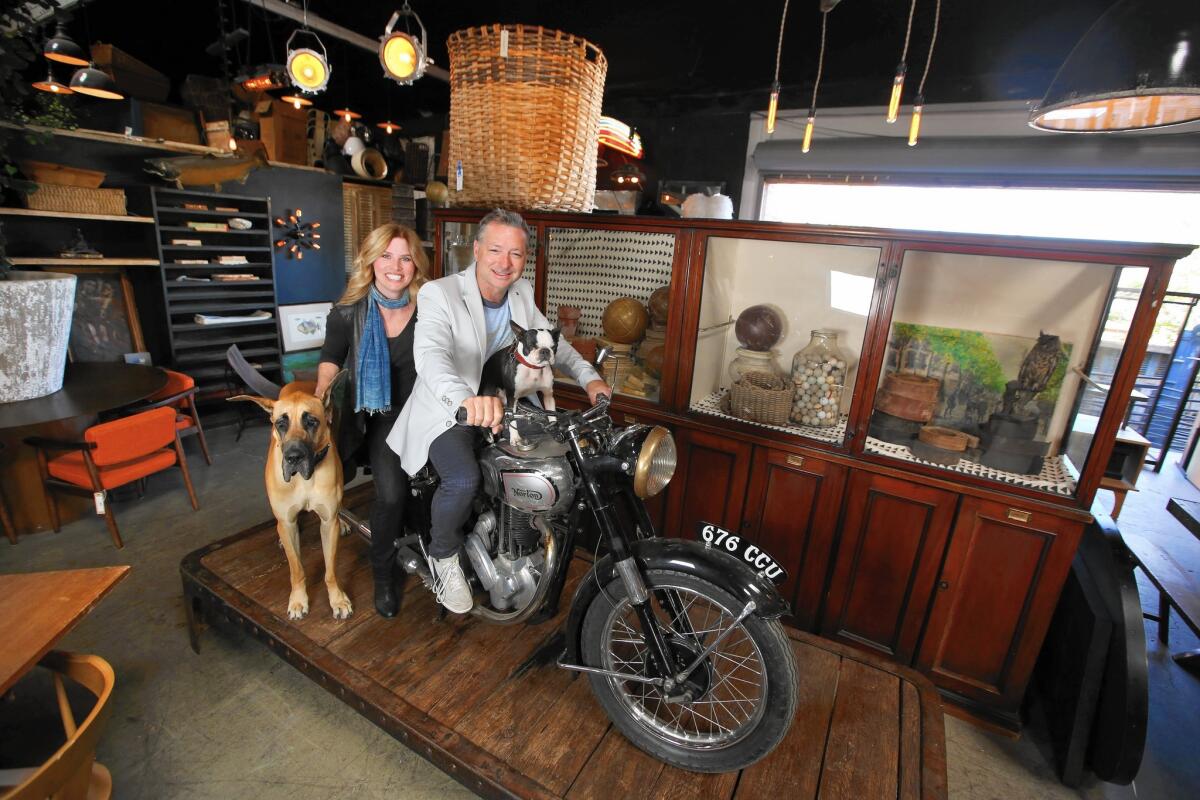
{"points": [[437, 192], [353, 145], [660, 302], [758, 328], [625, 320], [652, 359]]}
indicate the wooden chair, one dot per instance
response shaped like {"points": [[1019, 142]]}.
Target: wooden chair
{"points": [[5, 519], [112, 454], [72, 772], [180, 394]]}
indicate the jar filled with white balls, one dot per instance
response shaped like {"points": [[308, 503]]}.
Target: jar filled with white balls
{"points": [[819, 377]]}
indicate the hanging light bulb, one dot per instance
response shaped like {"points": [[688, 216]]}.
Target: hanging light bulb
{"points": [[812, 109], [773, 103], [893, 111], [51, 84], [914, 127], [808, 132]]}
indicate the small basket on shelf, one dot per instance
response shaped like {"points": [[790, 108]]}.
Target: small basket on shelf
{"points": [[76, 199], [760, 397]]}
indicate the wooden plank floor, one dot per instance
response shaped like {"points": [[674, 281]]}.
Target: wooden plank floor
{"points": [[486, 703]]}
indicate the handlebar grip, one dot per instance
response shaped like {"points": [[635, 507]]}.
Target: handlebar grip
{"points": [[460, 416]]}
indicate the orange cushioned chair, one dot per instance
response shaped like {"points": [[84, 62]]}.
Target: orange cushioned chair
{"points": [[112, 454], [180, 394]]}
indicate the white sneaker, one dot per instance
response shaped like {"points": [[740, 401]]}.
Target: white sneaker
{"points": [[450, 585]]}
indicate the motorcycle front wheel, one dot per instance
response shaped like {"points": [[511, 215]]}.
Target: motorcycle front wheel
{"points": [[734, 708]]}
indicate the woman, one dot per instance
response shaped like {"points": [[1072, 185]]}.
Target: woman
{"points": [[370, 333]]}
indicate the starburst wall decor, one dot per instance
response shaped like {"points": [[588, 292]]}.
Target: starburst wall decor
{"points": [[297, 236]]}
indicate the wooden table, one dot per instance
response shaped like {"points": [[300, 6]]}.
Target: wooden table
{"points": [[486, 703], [88, 390], [38, 608]]}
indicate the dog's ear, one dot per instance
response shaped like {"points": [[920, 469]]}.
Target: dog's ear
{"points": [[517, 330], [267, 405], [327, 396], [555, 333]]}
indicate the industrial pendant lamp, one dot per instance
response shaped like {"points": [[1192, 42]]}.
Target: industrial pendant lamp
{"points": [[914, 127], [773, 103], [388, 126], [62, 48], [403, 56], [347, 114], [1137, 67], [893, 111], [52, 84], [95, 83], [298, 101], [307, 69]]}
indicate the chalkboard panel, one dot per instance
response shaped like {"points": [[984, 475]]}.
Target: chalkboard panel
{"points": [[104, 326]]}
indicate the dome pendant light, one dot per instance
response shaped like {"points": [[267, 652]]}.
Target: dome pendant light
{"points": [[1137, 67], [95, 83], [62, 48], [52, 85], [403, 56]]}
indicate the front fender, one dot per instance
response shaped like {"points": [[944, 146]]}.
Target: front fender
{"points": [[681, 555]]}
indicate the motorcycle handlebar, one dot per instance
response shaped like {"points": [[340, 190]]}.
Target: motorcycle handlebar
{"points": [[601, 406]]}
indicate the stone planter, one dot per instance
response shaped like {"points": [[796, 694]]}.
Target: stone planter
{"points": [[35, 326]]}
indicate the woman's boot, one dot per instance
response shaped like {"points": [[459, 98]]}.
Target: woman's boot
{"points": [[386, 601]]}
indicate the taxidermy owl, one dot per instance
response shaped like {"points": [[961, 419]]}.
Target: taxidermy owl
{"points": [[1039, 365]]}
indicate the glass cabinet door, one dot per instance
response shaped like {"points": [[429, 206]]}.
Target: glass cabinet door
{"points": [[781, 333], [999, 367], [611, 288]]}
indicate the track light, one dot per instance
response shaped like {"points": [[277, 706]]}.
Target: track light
{"points": [[95, 83], [403, 56], [307, 69], [52, 85], [62, 48]]}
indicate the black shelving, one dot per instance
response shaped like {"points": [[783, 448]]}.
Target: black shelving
{"points": [[199, 350]]}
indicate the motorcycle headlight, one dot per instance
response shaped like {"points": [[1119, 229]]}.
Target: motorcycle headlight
{"points": [[655, 463]]}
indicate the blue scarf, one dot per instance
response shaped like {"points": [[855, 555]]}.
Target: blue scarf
{"points": [[373, 388]]}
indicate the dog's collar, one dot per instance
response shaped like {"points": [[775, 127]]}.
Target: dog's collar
{"points": [[319, 457], [517, 355]]}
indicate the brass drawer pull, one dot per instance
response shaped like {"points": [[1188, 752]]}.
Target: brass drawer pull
{"points": [[630, 419], [796, 461], [1017, 515]]}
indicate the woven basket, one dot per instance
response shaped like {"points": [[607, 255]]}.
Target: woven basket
{"points": [[761, 397], [76, 199], [526, 126]]}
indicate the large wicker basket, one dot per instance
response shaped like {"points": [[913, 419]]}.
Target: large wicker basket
{"points": [[524, 125], [761, 397], [76, 199]]}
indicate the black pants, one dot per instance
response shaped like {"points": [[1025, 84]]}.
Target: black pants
{"points": [[453, 456], [391, 492]]}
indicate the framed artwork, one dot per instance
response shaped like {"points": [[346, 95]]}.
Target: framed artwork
{"points": [[303, 326], [300, 365], [105, 325]]}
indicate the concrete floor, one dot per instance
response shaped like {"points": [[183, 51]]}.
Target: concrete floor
{"points": [[236, 721]]}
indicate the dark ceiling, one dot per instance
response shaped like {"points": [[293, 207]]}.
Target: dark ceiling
{"points": [[672, 56]]}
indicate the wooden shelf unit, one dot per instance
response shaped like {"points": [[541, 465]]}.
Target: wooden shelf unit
{"points": [[84, 262], [199, 350], [29, 212]]}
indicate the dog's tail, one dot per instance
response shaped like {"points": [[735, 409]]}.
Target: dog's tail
{"points": [[252, 377]]}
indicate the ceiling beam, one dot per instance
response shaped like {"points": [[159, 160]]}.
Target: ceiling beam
{"points": [[336, 31]]}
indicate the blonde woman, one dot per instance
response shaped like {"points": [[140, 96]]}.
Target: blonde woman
{"points": [[369, 332]]}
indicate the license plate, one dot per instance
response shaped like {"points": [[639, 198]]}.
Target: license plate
{"points": [[754, 556]]}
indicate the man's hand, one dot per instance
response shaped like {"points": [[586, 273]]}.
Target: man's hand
{"points": [[597, 389], [486, 411]]}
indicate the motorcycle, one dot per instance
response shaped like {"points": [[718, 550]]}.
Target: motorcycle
{"points": [[680, 640]]}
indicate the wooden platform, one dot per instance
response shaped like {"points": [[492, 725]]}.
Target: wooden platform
{"points": [[487, 705]]}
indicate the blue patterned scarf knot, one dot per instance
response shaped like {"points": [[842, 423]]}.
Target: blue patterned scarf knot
{"points": [[373, 388]]}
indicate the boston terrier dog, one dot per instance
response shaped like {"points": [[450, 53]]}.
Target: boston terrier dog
{"points": [[523, 368]]}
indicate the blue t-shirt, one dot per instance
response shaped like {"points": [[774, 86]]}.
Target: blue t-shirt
{"points": [[496, 318]]}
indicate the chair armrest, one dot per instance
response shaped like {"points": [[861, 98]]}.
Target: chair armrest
{"points": [[42, 443], [137, 408]]}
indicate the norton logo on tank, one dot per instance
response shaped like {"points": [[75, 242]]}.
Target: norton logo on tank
{"points": [[528, 491]]}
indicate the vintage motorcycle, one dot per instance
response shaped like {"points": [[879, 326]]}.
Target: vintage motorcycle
{"points": [[681, 640]]}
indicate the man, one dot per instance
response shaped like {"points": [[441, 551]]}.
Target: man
{"points": [[464, 319]]}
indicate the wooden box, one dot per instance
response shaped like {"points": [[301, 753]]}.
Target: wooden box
{"points": [[285, 133], [169, 123], [132, 76]]}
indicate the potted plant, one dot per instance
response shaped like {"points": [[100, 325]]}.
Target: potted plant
{"points": [[35, 307]]}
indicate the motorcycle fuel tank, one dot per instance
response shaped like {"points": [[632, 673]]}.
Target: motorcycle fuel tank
{"points": [[537, 480]]}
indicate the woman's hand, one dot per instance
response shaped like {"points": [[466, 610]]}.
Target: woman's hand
{"points": [[486, 411], [597, 389]]}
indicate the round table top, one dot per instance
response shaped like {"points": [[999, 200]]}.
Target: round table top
{"points": [[87, 390]]}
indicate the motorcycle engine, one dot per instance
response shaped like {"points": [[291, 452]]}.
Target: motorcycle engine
{"points": [[506, 552]]}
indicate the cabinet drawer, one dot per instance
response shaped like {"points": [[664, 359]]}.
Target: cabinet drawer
{"points": [[1004, 569], [892, 542], [791, 512]]}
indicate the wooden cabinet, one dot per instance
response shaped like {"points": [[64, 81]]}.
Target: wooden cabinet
{"points": [[709, 484], [893, 537], [996, 593], [792, 507]]}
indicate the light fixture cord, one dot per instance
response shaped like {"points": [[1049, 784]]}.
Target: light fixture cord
{"points": [[937, 13], [908, 31], [270, 36], [812, 109], [779, 48]]}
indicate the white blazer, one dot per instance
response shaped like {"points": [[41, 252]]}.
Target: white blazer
{"points": [[448, 348]]}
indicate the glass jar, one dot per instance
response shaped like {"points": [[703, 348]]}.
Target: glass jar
{"points": [[819, 377], [747, 360]]}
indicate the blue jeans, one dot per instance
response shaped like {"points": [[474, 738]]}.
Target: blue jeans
{"points": [[453, 456]]}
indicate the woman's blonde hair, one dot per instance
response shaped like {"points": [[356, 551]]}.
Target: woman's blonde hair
{"points": [[374, 246]]}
